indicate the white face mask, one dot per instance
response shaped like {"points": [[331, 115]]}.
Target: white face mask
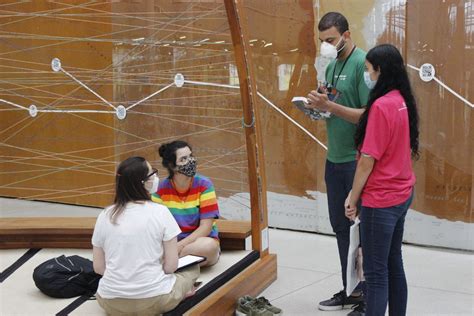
{"points": [[327, 50], [154, 186], [368, 81], [328, 53], [331, 51]]}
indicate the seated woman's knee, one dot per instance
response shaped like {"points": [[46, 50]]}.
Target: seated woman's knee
{"points": [[210, 249], [208, 243]]}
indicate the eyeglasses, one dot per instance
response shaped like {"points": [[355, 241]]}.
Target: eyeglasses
{"points": [[153, 171]]}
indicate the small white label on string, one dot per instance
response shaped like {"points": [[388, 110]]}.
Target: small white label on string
{"points": [[121, 112], [56, 64], [33, 110], [427, 72], [179, 80]]}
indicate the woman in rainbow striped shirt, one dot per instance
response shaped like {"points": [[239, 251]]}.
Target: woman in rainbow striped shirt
{"points": [[191, 199]]}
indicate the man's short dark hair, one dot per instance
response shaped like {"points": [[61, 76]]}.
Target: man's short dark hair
{"points": [[335, 19]]}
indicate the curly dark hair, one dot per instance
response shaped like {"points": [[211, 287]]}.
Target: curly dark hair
{"points": [[168, 154]]}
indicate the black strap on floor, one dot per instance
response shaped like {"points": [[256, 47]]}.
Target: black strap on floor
{"points": [[75, 304], [214, 284], [17, 264], [187, 304]]}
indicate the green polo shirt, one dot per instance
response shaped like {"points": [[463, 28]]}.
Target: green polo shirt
{"points": [[354, 94]]}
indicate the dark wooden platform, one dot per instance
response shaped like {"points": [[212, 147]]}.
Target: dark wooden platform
{"points": [[76, 232]]}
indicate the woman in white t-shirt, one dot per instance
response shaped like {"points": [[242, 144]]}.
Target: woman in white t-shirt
{"points": [[135, 248]]}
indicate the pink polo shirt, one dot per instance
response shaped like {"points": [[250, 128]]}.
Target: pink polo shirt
{"points": [[387, 140]]}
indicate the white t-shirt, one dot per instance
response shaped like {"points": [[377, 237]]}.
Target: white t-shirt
{"points": [[134, 251]]}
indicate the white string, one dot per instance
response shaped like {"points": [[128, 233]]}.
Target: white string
{"points": [[266, 100], [82, 6], [51, 168], [59, 190], [57, 110], [73, 168], [229, 166], [292, 121], [226, 180], [199, 83], [124, 16], [76, 190], [13, 125], [168, 23], [53, 95], [35, 151], [215, 117], [117, 146], [7, 110], [155, 93], [190, 123], [446, 87], [150, 96], [48, 157], [232, 152], [75, 195], [76, 111], [147, 142], [21, 128], [120, 62], [14, 104], [87, 88], [37, 170]]}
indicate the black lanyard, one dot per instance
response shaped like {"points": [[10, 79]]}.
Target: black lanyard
{"points": [[334, 70]]}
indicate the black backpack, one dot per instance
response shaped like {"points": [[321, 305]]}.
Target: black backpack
{"points": [[66, 277]]}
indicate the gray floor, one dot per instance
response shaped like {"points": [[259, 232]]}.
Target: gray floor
{"points": [[440, 281], [19, 287]]}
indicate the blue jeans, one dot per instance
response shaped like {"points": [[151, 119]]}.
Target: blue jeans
{"points": [[339, 178], [381, 237]]}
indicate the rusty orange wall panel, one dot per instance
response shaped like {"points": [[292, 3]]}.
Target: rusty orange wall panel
{"points": [[128, 51]]}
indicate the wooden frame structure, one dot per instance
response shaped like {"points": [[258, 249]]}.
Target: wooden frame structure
{"points": [[259, 275]]}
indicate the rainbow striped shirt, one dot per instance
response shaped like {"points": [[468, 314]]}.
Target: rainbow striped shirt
{"points": [[200, 203]]}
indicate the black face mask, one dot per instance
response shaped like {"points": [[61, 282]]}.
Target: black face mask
{"points": [[188, 169]]}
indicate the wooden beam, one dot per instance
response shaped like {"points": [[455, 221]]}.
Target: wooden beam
{"points": [[251, 281], [76, 232], [251, 121]]}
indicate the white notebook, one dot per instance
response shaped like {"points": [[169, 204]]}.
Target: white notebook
{"points": [[301, 102], [189, 260]]}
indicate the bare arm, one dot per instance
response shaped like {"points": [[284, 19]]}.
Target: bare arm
{"points": [[363, 171], [204, 229], [321, 102], [98, 260], [170, 249], [349, 114]]}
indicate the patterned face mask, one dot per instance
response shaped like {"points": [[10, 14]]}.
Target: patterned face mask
{"points": [[188, 169]]}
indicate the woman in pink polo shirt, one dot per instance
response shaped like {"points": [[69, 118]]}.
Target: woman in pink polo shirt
{"points": [[387, 139]]}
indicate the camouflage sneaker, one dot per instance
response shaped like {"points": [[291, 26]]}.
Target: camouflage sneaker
{"points": [[262, 301], [248, 306]]}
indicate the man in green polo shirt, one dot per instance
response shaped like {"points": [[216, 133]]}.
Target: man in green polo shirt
{"points": [[345, 78]]}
